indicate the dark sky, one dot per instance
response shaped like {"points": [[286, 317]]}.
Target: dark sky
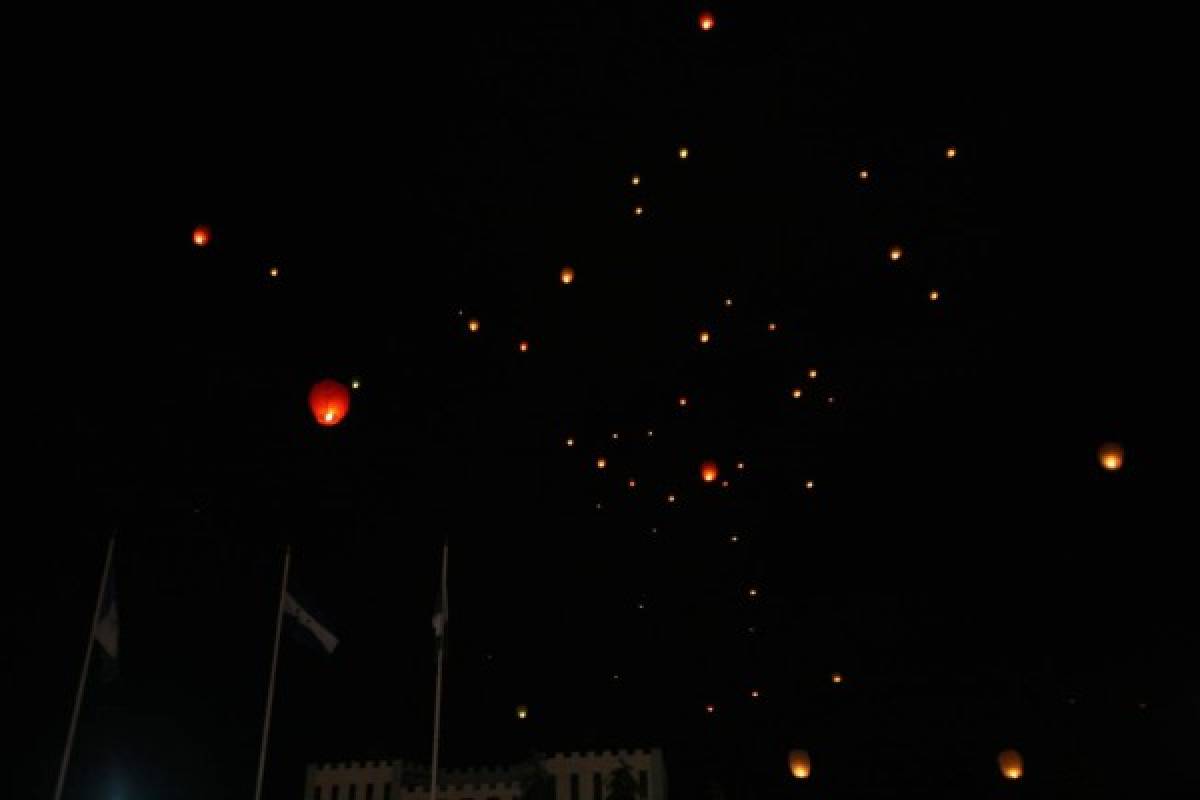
{"points": [[961, 558]]}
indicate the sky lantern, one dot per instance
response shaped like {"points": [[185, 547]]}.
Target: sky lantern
{"points": [[837, 677], [273, 272], [329, 402], [201, 235], [708, 471], [522, 711], [523, 346], [707, 21], [601, 462], [951, 152], [863, 175], [1111, 456], [934, 294], [771, 327], [567, 275], [1012, 766], [800, 764], [636, 179], [638, 211], [797, 393], [896, 252], [683, 400], [473, 325], [704, 337], [683, 152]]}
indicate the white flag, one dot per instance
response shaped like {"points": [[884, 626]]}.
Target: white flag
{"points": [[308, 624]]}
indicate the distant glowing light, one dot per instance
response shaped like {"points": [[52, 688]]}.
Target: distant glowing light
{"points": [[728, 302], [522, 712], [1111, 456], [707, 21], [733, 538], [523, 346], [752, 591], [741, 465], [951, 152], [636, 179], [837, 677], [632, 483], [329, 402], [754, 693], [829, 400], [616, 435], [808, 484], [708, 471], [725, 484], [896, 252], [704, 337], [570, 442], [683, 401], [567, 275], [650, 434], [934, 295], [683, 152], [812, 374], [710, 708], [797, 394], [670, 498], [355, 384], [638, 211], [863, 175], [1012, 766], [601, 463], [201, 235], [473, 325], [771, 327], [800, 764], [273, 272]]}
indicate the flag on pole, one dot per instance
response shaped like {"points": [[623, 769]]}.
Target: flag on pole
{"points": [[306, 626], [108, 627], [441, 613]]}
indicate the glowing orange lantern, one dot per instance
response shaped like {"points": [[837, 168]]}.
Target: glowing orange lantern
{"points": [[771, 327], [708, 471], [202, 235], [601, 463], [567, 275], [707, 21], [635, 180], [473, 325], [863, 175], [896, 252], [329, 402], [837, 677], [704, 337], [800, 764], [934, 295], [1111, 456], [951, 152], [523, 346], [1011, 764], [522, 711]]}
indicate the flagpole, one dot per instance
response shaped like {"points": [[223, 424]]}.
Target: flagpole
{"points": [[437, 696], [262, 753], [87, 660]]}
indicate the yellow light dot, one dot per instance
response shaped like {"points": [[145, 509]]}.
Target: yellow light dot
{"points": [[863, 175], [567, 275], [601, 463], [636, 180], [812, 373], [896, 252], [354, 384], [934, 295], [808, 484], [522, 712], [797, 393], [683, 152], [473, 326], [837, 677], [637, 211], [570, 442], [951, 152], [703, 337], [273, 272]]}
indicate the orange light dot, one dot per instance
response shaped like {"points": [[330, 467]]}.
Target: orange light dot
{"points": [[704, 337], [896, 252], [837, 677], [707, 21], [1111, 456], [601, 463], [812, 373], [934, 295], [771, 327], [567, 275], [951, 152], [1012, 766], [797, 393], [683, 401], [808, 484], [273, 272], [201, 235], [683, 152], [636, 179], [523, 346], [708, 471], [473, 325], [863, 175], [638, 211]]}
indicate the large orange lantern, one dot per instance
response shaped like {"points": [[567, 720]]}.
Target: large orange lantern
{"points": [[201, 235], [567, 275], [329, 402], [707, 21], [1111, 456], [800, 764], [708, 471], [1011, 764]]}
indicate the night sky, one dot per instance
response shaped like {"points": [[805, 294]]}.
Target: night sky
{"points": [[961, 557]]}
